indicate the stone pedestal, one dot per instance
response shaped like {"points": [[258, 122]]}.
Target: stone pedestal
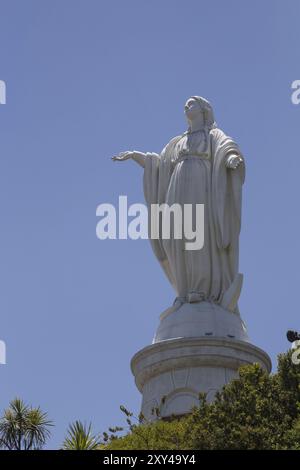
{"points": [[197, 348]]}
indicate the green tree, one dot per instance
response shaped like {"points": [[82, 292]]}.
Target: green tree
{"points": [[80, 437], [23, 427], [292, 437], [249, 413], [255, 411]]}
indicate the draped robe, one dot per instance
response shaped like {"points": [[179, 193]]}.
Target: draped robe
{"points": [[191, 169]]}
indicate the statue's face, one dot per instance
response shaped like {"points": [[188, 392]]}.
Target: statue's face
{"points": [[192, 108]]}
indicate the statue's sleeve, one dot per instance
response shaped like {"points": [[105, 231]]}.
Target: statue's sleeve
{"points": [[150, 181], [155, 183], [226, 190]]}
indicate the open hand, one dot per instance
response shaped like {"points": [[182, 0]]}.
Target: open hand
{"points": [[234, 161], [122, 156]]}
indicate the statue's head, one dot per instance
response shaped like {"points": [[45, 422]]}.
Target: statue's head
{"points": [[197, 106]]}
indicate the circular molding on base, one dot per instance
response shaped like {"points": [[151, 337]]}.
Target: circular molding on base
{"points": [[171, 374]]}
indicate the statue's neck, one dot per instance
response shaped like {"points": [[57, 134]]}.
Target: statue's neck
{"points": [[197, 124]]}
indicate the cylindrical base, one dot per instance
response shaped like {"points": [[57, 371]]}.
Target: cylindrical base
{"points": [[171, 373]]}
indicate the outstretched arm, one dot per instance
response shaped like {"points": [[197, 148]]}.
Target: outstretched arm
{"points": [[138, 157]]}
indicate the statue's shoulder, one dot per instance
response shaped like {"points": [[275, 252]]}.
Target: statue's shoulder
{"points": [[172, 143], [217, 133], [176, 139]]}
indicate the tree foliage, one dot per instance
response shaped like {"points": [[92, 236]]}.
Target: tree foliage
{"points": [[255, 411], [23, 427], [80, 437]]}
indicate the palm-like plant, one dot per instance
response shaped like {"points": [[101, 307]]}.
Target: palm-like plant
{"points": [[80, 437], [23, 427]]}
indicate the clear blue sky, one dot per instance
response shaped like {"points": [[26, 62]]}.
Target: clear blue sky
{"points": [[85, 80]]}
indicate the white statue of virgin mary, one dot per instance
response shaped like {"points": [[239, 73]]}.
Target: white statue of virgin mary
{"points": [[201, 166]]}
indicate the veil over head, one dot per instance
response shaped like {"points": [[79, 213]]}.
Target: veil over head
{"points": [[207, 109]]}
